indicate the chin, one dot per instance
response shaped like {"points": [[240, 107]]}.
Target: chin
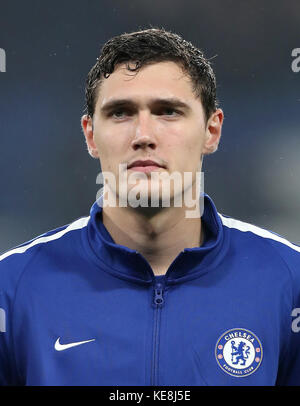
{"points": [[155, 196]]}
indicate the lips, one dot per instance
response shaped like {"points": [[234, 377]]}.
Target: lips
{"points": [[146, 163]]}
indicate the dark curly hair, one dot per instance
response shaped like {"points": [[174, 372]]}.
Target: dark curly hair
{"points": [[148, 46]]}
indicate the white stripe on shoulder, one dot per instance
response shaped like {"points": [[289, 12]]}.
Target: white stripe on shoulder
{"points": [[242, 226], [77, 224]]}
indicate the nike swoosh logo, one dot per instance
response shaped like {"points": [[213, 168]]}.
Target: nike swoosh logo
{"points": [[61, 347]]}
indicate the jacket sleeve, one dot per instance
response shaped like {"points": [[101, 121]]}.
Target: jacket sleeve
{"points": [[289, 367], [6, 377], [9, 276]]}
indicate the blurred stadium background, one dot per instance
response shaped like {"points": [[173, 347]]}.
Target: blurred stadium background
{"points": [[47, 177]]}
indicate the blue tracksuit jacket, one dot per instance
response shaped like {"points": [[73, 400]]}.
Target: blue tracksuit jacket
{"points": [[78, 309]]}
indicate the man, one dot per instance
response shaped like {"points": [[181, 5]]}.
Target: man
{"points": [[150, 294]]}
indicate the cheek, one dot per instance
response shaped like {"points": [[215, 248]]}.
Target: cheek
{"points": [[185, 147], [194, 145], [111, 151]]}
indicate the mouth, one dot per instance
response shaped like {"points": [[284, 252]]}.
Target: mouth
{"points": [[145, 166]]}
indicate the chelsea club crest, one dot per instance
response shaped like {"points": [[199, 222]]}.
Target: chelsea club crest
{"points": [[239, 352]]}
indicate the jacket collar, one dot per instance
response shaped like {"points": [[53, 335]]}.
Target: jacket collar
{"points": [[129, 264]]}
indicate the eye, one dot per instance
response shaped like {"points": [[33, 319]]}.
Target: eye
{"points": [[168, 112], [119, 113]]}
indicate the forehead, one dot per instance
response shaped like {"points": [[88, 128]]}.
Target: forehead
{"points": [[157, 80]]}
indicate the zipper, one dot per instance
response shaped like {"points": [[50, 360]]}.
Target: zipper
{"points": [[158, 302]]}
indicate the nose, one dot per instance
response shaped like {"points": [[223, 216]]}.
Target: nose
{"points": [[144, 134]]}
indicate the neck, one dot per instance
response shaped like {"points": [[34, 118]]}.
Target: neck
{"points": [[159, 235]]}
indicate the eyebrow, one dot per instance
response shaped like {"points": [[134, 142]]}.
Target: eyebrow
{"points": [[117, 103]]}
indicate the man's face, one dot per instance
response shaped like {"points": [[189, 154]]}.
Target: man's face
{"points": [[150, 115]]}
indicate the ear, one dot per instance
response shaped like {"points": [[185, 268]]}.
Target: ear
{"points": [[213, 132], [88, 130]]}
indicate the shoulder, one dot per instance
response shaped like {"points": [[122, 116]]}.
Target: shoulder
{"points": [[267, 243], [260, 234], [16, 260]]}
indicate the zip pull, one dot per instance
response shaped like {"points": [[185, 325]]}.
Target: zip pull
{"points": [[158, 295]]}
